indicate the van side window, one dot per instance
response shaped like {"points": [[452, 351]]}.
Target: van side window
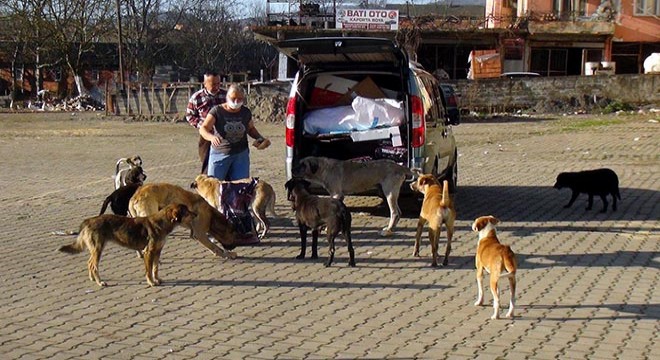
{"points": [[433, 111]]}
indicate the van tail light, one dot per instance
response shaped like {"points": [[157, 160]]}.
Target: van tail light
{"points": [[290, 120], [418, 126], [451, 101]]}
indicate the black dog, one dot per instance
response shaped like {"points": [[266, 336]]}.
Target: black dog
{"points": [[119, 198], [599, 182], [313, 212]]}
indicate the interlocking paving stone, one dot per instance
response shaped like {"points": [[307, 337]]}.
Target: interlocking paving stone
{"points": [[586, 287]]}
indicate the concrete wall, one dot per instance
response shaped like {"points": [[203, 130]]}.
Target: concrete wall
{"points": [[557, 92]]}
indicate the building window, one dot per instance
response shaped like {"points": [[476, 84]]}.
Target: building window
{"points": [[647, 7]]}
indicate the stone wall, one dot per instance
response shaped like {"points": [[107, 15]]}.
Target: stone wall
{"points": [[556, 93], [544, 94]]}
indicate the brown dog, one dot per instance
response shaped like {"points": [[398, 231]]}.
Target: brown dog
{"points": [[437, 209], [139, 233], [314, 212], [263, 200], [150, 198], [494, 257]]}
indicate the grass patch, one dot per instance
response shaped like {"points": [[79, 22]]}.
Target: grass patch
{"points": [[587, 124]]}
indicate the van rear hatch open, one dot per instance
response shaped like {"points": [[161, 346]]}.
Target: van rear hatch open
{"points": [[322, 53]]}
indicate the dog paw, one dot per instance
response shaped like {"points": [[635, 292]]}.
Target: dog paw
{"points": [[416, 253], [300, 257], [386, 232], [495, 317], [478, 303], [509, 315], [351, 263], [102, 283], [327, 264], [314, 256]]}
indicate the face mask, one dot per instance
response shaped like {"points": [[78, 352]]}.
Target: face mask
{"points": [[234, 105]]}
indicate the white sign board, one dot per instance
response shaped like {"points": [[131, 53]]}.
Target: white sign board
{"points": [[368, 19]]}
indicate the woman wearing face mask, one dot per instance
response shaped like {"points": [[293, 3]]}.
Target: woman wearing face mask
{"points": [[226, 126]]}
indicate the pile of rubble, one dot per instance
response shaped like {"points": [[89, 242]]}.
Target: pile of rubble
{"points": [[79, 103]]}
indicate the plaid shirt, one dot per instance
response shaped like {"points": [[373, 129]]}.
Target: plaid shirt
{"points": [[199, 105]]}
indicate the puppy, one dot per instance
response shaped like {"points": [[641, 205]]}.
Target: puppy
{"points": [[437, 209], [123, 173], [150, 198], [313, 212], [262, 201], [599, 182], [495, 258], [118, 199], [146, 233], [340, 178]]}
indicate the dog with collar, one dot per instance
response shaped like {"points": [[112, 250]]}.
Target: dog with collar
{"points": [[437, 209], [497, 259], [139, 233], [314, 212]]}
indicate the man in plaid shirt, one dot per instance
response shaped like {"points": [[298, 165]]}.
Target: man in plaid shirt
{"points": [[200, 103]]}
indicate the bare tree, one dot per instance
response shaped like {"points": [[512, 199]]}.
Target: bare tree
{"points": [[148, 28], [74, 28], [26, 36]]}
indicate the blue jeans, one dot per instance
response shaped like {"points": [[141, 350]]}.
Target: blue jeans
{"points": [[229, 167]]}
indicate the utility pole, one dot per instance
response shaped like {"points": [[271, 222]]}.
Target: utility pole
{"points": [[121, 59]]}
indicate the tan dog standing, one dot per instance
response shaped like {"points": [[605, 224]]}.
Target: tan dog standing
{"points": [[148, 199], [263, 200], [437, 209], [495, 258], [141, 233]]}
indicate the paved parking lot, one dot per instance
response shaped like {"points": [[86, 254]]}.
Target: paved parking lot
{"points": [[587, 283]]}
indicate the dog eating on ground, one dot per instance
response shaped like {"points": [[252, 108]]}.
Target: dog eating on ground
{"points": [[122, 169], [314, 212], [150, 198], [140, 233], [340, 178], [262, 201], [497, 259], [437, 209], [118, 199], [601, 182]]}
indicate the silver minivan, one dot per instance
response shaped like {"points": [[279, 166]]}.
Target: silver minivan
{"points": [[356, 98]]}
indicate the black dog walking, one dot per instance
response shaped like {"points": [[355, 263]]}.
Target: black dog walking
{"points": [[601, 182]]}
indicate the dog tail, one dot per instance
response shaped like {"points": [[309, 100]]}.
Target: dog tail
{"points": [[446, 200], [617, 194], [346, 218], [74, 248], [107, 202]]}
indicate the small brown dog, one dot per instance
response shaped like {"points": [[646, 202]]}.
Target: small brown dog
{"points": [[140, 233], [314, 212], [494, 257], [437, 209], [263, 200]]}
